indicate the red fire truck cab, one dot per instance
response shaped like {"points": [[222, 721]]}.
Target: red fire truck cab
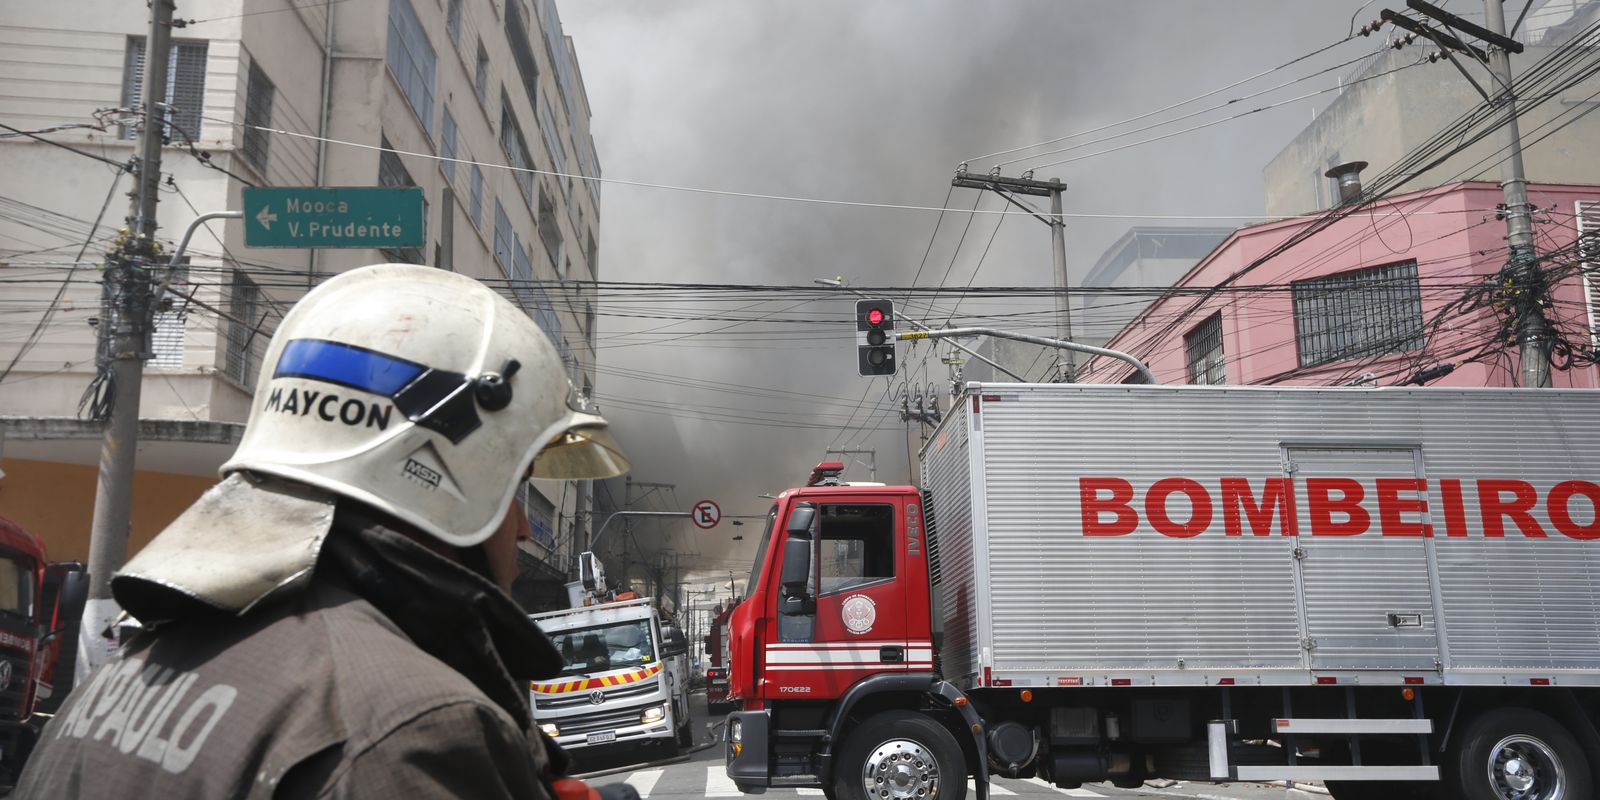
{"points": [[41, 605]]}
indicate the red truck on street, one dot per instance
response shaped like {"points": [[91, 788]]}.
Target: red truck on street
{"points": [[1387, 590], [716, 643], [41, 606]]}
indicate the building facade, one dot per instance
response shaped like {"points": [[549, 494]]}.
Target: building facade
{"points": [[1392, 103], [1410, 288], [440, 94]]}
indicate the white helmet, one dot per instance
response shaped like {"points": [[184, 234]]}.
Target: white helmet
{"points": [[421, 393], [418, 392]]}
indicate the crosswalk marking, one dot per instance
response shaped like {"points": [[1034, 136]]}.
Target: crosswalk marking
{"points": [[809, 791], [643, 781], [718, 784], [995, 789], [1068, 792]]}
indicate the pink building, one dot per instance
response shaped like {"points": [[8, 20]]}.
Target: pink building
{"points": [[1403, 286]]}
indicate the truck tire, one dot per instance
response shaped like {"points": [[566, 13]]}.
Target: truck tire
{"points": [[1517, 753], [903, 756], [686, 736]]}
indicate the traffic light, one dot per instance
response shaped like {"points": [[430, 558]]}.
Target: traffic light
{"points": [[875, 337]]}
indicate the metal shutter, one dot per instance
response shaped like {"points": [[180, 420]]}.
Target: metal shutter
{"points": [[1587, 214]]}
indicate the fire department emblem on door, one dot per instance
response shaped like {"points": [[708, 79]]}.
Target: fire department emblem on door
{"points": [[858, 613]]}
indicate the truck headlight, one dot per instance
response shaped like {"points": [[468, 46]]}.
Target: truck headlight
{"points": [[653, 714], [550, 729], [736, 731]]}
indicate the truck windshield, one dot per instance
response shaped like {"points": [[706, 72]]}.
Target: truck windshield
{"points": [[761, 550], [16, 587], [624, 644]]}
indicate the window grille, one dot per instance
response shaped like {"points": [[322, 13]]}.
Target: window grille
{"points": [[480, 80], [411, 59], [244, 338], [555, 42], [1203, 346], [516, 149], [1588, 219], [593, 253], [1358, 314], [541, 515], [552, 142], [392, 172], [258, 98], [504, 239], [549, 229], [186, 88], [475, 198], [171, 323], [447, 146], [452, 20]]}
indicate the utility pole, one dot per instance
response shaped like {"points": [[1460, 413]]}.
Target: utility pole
{"points": [[872, 465], [1066, 364], [129, 289], [1533, 330]]}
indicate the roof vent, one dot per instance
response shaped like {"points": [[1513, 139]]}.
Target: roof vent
{"points": [[1349, 177]]}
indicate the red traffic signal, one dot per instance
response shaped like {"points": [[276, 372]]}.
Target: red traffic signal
{"points": [[875, 337]]}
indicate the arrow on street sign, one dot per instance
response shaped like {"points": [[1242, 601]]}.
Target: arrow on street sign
{"points": [[266, 217], [706, 514]]}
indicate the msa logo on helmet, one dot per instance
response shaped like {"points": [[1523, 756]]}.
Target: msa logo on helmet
{"points": [[435, 399]]}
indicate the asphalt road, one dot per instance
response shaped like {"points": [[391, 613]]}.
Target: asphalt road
{"points": [[700, 775]]}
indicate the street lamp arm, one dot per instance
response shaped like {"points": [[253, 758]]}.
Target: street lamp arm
{"points": [[595, 539], [1144, 370]]}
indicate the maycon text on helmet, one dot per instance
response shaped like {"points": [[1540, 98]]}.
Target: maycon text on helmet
{"points": [[329, 407]]}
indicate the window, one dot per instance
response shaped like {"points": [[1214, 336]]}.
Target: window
{"points": [[475, 198], [505, 241], [257, 115], [588, 163], [171, 322], [244, 300], [411, 59], [392, 172], [541, 515], [593, 254], [1204, 348], [521, 274], [556, 45], [1356, 314], [614, 646], [552, 142], [452, 20], [549, 229], [521, 53], [516, 149], [1587, 217], [186, 88], [16, 586], [447, 146], [588, 321], [857, 546], [480, 80]]}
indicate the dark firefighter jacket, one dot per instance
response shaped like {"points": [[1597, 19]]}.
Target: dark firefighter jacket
{"points": [[393, 673]]}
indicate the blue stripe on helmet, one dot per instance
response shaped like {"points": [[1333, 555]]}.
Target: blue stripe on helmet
{"points": [[347, 365]]}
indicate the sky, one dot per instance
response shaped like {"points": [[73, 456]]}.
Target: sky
{"points": [[878, 102]]}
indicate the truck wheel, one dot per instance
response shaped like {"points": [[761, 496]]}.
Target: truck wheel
{"points": [[900, 755], [686, 736], [1517, 754]]}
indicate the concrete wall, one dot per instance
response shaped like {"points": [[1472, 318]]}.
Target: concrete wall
{"points": [[1451, 233], [1381, 119]]}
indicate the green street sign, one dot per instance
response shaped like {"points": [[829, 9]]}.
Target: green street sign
{"points": [[338, 216]]}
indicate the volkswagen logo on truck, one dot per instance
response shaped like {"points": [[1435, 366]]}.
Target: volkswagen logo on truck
{"points": [[597, 697]]}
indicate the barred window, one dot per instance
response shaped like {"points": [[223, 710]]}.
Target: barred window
{"points": [[480, 80], [258, 98], [244, 303], [1358, 314], [505, 241], [392, 172], [452, 20], [475, 197], [552, 142], [516, 149], [1203, 345], [447, 146], [411, 58], [186, 88], [171, 323], [549, 229], [541, 515]]}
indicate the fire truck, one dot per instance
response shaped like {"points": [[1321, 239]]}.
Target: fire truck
{"points": [[41, 605], [1393, 591], [716, 643]]}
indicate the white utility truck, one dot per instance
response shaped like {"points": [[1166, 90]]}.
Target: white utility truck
{"points": [[1395, 591]]}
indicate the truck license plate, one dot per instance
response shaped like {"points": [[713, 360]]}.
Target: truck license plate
{"points": [[604, 736]]}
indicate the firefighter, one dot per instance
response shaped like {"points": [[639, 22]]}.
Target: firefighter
{"points": [[333, 618]]}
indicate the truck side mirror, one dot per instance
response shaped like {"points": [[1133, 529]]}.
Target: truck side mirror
{"points": [[796, 576], [801, 520]]}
